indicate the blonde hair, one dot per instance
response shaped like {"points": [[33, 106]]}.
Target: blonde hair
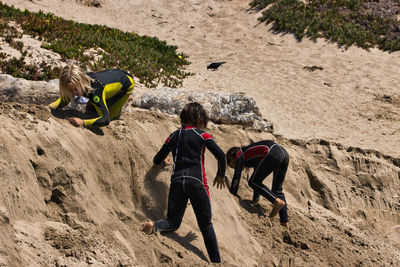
{"points": [[75, 75]]}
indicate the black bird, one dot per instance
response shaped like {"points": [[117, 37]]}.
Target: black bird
{"points": [[215, 65]]}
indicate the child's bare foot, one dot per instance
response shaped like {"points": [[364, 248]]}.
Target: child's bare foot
{"points": [[256, 199], [278, 205], [285, 224], [148, 228]]}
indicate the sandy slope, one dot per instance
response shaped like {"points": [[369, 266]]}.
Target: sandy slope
{"points": [[353, 100], [80, 199]]}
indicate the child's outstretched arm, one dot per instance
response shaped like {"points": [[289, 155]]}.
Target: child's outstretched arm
{"points": [[237, 174], [220, 156], [163, 153], [160, 157], [59, 103]]}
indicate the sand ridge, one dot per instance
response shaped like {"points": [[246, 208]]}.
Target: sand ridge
{"points": [[341, 102], [62, 204]]}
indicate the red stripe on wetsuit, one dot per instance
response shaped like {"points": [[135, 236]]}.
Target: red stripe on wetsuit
{"points": [[253, 152], [205, 136]]}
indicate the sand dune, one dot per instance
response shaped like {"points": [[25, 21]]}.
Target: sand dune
{"points": [[343, 102], [79, 200]]}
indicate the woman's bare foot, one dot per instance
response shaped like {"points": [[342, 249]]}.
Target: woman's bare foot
{"points": [[285, 224], [278, 205], [148, 228]]}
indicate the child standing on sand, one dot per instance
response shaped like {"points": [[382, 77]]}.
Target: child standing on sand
{"points": [[265, 157], [188, 180]]}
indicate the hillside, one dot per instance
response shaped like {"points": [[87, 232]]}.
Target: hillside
{"points": [[81, 199], [353, 99], [74, 197]]}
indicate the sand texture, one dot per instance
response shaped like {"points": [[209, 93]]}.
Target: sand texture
{"points": [[74, 197]]}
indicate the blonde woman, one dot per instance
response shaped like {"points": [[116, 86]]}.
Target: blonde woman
{"points": [[107, 92]]}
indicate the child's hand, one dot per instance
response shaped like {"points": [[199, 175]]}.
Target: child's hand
{"points": [[220, 181], [47, 108], [76, 121], [163, 164]]}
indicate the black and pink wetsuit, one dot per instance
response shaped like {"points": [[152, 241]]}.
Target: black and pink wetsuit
{"points": [[265, 157], [188, 181]]}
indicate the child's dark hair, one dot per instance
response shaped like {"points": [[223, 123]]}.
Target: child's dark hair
{"points": [[231, 153], [195, 115]]}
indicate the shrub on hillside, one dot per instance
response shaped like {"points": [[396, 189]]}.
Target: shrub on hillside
{"points": [[149, 59], [365, 23]]}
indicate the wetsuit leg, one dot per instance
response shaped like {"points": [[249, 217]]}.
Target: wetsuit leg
{"points": [[116, 106], [266, 166], [202, 208], [256, 197], [277, 182], [177, 201]]}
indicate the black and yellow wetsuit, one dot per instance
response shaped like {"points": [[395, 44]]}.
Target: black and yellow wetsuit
{"points": [[111, 89]]}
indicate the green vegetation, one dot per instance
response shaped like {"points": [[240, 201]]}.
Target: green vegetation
{"points": [[149, 59], [364, 23]]}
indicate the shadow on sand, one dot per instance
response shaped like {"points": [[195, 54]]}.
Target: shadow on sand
{"points": [[185, 241], [68, 113], [252, 208]]}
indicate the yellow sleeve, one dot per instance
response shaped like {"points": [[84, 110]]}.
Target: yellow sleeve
{"points": [[59, 103]]}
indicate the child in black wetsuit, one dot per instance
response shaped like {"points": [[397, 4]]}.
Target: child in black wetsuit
{"points": [[265, 157], [188, 180]]}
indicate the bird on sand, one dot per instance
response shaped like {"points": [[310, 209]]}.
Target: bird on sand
{"points": [[215, 65]]}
